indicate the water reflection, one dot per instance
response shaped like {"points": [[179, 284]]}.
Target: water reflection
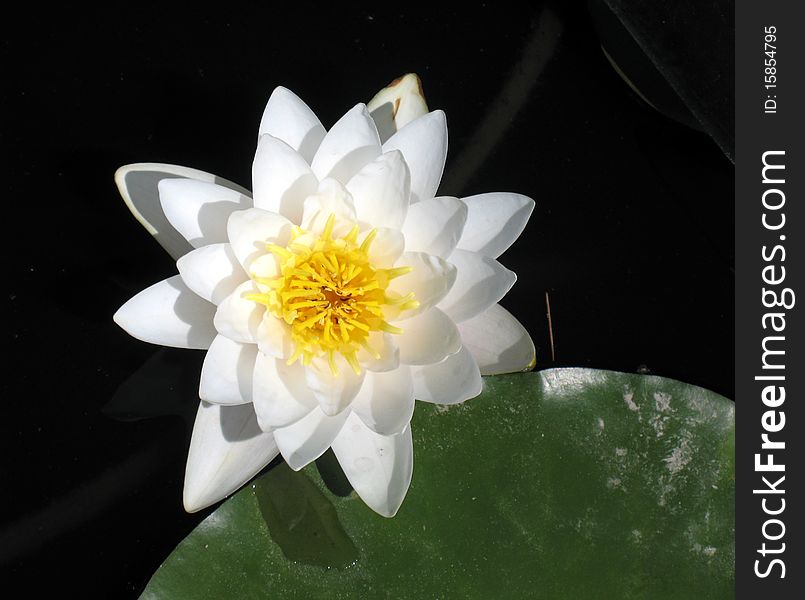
{"points": [[300, 518], [166, 385]]}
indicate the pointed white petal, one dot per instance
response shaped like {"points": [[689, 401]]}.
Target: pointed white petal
{"points": [[280, 393], [348, 146], [238, 318], [428, 338], [386, 401], [281, 178], [138, 183], [250, 230], [381, 191], [494, 222], [334, 392], [431, 280], [379, 467], [397, 104], [451, 381], [266, 266], [386, 248], [481, 281], [274, 337], [308, 438], [423, 143], [170, 314], [388, 354], [498, 342], [199, 210], [226, 377], [331, 198], [213, 272], [227, 449], [435, 225], [288, 118]]}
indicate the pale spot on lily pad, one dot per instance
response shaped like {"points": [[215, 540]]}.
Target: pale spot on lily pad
{"points": [[679, 457], [662, 401]]}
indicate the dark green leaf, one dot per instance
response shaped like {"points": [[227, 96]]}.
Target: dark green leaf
{"points": [[569, 483]]}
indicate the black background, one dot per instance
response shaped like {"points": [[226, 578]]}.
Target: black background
{"points": [[632, 235]]}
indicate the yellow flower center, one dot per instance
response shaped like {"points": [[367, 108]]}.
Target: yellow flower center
{"points": [[331, 295]]}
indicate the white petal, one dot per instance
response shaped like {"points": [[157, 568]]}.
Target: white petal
{"points": [[423, 143], [431, 280], [281, 179], [397, 104], [288, 118], [494, 222], [435, 225], [266, 266], [238, 318], [388, 354], [199, 210], [274, 337], [334, 392], [379, 467], [213, 272], [227, 449], [170, 314], [498, 342], [280, 393], [348, 146], [451, 381], [250, 230], [481, 281], [307, 439], [331, 198], [226, 377], [428, 338], [386, 401], [138, 183], [386, 248], [381, 191]]}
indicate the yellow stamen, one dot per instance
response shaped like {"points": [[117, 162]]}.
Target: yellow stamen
{"points": [[352, 236], [331, 295], [279, 251], [353, 362], [374, 353], [368, 241], [398, 272], [331, 360], [295, 356], [328, 228], [390, 328]]}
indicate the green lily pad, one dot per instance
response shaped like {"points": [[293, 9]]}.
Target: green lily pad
{"points": [[567, 483]]}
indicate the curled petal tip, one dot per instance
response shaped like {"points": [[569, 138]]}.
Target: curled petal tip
{"points": [[397, 104]]}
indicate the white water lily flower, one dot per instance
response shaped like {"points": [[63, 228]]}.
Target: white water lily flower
{"points": [[342, 290]]}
